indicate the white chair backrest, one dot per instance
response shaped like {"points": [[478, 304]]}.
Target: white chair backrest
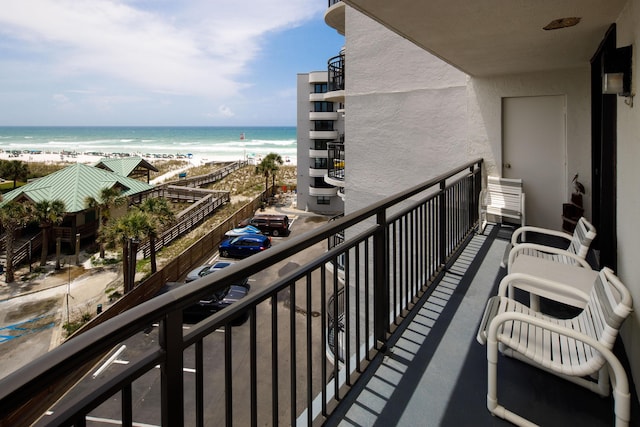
{"points": [[583, 235], [608, 306], [505, 193]]}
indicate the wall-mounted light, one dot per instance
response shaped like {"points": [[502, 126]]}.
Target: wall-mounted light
{"points": [[612, 83], [616, 78]]}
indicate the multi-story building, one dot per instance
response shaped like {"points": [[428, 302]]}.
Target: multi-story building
{"points": [[319, 125]]}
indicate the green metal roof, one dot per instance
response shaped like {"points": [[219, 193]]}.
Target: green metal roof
{"points": [[124, 166], [73, 185]]}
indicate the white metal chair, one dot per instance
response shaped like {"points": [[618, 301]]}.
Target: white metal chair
{"points": [[503, 197], [579, 243], [573, 349]]}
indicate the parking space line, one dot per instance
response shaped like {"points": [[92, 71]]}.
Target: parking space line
{"points": [[109, 361], [117, 422]]}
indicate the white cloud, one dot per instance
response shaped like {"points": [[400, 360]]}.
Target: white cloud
{"points": [[225, 111], [186, 48]]}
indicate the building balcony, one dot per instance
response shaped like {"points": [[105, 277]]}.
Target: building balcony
{"points": [[336, 79], [335, 161], [317, 77], [317, 154], [334, 15], [323, 191], [323, 134], [313, 97], [323, 115], [315, 172], [416, 280]]}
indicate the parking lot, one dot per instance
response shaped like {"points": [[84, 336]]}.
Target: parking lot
{"points": [[146, 388]]}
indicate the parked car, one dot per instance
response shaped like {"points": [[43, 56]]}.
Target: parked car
{"points": [[274, 225], [217, 300], [203, 270], [244, 246], [241, 231]]}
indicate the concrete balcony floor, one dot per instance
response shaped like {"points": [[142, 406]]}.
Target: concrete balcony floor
{"points": [[435, 373]]}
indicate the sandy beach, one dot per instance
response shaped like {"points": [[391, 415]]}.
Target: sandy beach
{"points": [[90, 158]]}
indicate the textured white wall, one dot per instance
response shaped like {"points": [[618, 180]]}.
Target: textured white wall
{"points": [[405, 113], [485, 118], [628, 204]]}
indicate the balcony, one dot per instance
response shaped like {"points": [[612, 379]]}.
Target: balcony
{"points": [[323, 134], [323, 191], [335, 161], [334, 15], [321, 154], [416, 278], [335, 84], [316, 96], [323, 115], [317, 172]]}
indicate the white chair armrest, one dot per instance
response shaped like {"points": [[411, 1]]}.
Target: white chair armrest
{"points": [[540, 285], [517, 249], [530, 228], [621, 386], [483, 199]]}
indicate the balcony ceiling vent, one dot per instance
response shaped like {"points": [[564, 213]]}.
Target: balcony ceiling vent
{"points": [[556, 24]]}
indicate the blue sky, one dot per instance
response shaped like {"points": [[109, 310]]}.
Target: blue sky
{"points": [[158, 62]]}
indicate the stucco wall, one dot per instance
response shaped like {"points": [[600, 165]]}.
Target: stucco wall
{"points": [[485, 118], [405, 114], [628, 177]]}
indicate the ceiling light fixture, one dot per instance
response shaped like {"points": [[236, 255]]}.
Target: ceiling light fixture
{"points": [[556, 24]]}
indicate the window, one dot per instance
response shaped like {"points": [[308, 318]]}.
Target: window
{"points": [[323, 200], [319, 144], [323, 125], [320, 88], [319, 163], [319, 182], [323, 106]]}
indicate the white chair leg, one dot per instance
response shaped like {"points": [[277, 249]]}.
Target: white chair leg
{"points": [[492, 389]]}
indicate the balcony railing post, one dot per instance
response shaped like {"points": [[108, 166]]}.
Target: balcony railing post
{"points": [[172, 395], [477, 188], [442, 224], [380, 276]]}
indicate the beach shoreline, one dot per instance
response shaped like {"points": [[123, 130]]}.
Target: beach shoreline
{"points": [[91, 158]]}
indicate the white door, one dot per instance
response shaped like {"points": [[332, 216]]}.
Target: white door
{"points": [[534, 149]]}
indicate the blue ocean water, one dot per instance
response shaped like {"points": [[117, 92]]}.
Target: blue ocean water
{"points": [[211, 143]]}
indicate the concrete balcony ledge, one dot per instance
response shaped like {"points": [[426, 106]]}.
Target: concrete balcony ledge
{"points": [[323, 134], [323, 115], [314, 191], [334, 96], [334, 17]]}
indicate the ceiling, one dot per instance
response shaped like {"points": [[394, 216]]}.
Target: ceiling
{"points": [[494, 37]]}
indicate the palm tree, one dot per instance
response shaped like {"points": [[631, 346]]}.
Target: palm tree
{"points": [[276, 163], [124, 231], [14, 170], [161, 216], [48, 213], [269, 166], [108, 198], [13, 215]]}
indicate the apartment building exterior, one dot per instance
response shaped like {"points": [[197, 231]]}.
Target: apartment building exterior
{"points": [[320, 124]]}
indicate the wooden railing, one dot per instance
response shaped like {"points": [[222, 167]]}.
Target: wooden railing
{"points": [[187, 222]]}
